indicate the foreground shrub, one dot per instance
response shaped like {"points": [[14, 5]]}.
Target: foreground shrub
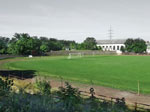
{"points": [[5, 86], [66, 99], [70, 98], [43, 87], [28, 103]]}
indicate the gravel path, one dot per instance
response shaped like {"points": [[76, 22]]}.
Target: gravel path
{"points": [[106, 91]]}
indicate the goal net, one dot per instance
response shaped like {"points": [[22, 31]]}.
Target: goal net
{"points": [[75, 55]]}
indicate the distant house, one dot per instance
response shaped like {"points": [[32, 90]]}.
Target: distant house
{"points": [[111, 45]]}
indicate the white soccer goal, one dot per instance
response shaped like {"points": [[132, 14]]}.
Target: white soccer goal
{"points": [[75, 55]]}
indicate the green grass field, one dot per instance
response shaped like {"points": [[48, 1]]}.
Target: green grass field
{"points": [[121, 72]]}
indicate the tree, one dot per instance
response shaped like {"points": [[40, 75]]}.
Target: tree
{"points": [[3, 45], [43, 39], [122, 49], [44, 48], [68, 44], [129, 44], [36, 46], [139, 46], [24, 44], [135, 45], [90, 43]]}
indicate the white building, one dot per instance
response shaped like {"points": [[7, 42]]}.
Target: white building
{"points": [[116, 44], [111, 45], [148, 48]]}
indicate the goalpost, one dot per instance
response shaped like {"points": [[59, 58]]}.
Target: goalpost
{"points": [[75, 55]]}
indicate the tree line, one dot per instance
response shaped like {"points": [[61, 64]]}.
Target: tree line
{"points": [[24, 44], [134, 46]]}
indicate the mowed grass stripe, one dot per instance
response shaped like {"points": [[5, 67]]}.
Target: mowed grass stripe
{"points": [[122, 72]]}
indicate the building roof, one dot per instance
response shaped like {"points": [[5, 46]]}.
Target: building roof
{"points": [[113, 41]]}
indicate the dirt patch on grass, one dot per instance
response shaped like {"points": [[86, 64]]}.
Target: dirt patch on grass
{"points": [[3, 61]]}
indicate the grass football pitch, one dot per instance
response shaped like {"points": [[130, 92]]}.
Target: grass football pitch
{"points": [[121, 72]]}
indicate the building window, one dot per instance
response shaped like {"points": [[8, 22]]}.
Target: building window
{"points": [[118, 48], [106, 48], [122, 47], [114, 48], [110, 48]]}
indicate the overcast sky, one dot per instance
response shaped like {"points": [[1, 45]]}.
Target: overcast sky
{"points": [[76, 19]]}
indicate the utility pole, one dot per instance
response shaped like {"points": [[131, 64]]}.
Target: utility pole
{"points": [[110, 33]]}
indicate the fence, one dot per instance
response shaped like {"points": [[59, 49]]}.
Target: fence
{"points": [[8, 56], [134, 105], [19, 74]]}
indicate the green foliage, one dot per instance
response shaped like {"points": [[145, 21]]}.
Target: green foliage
{"points": [[44, 48], [43, 87], [135, 45], [70, 97], [96, 105], [122, 49], [23, 102], [5, 86], [67, 99], [24, 44], [90, 43], [3, 45]]}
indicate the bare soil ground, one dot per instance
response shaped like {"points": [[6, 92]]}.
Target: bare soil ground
{"points": [[106, 91]]}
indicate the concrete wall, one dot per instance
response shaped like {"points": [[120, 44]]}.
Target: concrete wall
{"points": [[111, 47], [85, 52], [7, 56]]}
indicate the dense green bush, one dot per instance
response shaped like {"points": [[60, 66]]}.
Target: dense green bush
{"points": [[135, 45], [70, 98], [66, 99], [5, 86], [43, 87]]}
